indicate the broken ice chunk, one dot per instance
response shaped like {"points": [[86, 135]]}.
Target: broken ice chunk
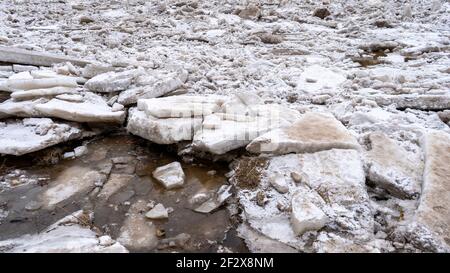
{"points": [[170, 175], [216, 201], [161, 131], [306, 216]]}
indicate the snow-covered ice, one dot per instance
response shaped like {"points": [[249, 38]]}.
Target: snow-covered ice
{"points": [[333, 115]]}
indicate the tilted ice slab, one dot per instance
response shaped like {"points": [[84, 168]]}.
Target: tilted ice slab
{"points": [[216, 124], [392, 167], [311, 133], [66, 235], [24, 84], [181, 106], [218, 198], [89, 107], [258, 243], [32, 134], [92, 109], [170, 176], [433, 211], [113, 81]]}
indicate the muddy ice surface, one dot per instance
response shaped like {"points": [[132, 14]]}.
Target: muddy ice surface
{"points": [[36, 196]]}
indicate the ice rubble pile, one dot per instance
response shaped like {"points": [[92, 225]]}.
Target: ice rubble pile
{"points": [[215, 124], [219, 124], [44, 107]]}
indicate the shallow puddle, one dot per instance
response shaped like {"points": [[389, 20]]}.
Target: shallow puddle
{"points": [[45, 194]]}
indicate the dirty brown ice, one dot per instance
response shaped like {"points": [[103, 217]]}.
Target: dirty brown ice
{"points": [[225, 126]]}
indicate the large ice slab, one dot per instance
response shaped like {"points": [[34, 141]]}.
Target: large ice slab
{"points": [[229, 134], [433, 210], [18, 137], [311, 133], [25, 108]]}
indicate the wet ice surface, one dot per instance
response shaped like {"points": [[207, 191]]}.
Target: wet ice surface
{"points": [[33, 205]]}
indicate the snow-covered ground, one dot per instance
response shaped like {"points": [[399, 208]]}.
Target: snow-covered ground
{"points": [[335, 113]]}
